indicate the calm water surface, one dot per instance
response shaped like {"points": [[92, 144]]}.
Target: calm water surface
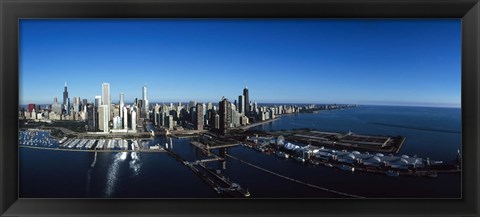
{"points": [[429, 132]]}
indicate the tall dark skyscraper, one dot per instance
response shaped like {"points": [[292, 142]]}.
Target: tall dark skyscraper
{"points": [[225, 110], [246, 103], [65, 95], [92, 117], [200, 117]]}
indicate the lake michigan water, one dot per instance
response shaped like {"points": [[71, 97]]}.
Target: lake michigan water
{"points": [[430, 132]]}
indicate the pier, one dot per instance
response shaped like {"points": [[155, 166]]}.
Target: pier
{"points": [[219, 183], [350, 141], [207, 147]]}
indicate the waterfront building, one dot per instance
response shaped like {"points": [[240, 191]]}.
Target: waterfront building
{"points": [[117, 123], [65, 95], [200, 117], [241, 104], [225, 113], [106, 98], [235, 118], [145, 105], [272, 114], [115, 109], [122, 104], [125, 118], [92, 117], [162, 122], [244, 120], [156, 118], [217, 121], [103, 118], [246, 101], [133, 113], [171, 123]]}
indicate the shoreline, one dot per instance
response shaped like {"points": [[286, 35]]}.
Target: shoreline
{"points": [[258, 123]]}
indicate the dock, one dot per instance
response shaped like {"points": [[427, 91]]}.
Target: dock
{"points": [[220, 184], [95, 150], [207, 147], [349, 141]]}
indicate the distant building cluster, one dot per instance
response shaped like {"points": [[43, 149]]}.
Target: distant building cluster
{"points": [[102, 115]]}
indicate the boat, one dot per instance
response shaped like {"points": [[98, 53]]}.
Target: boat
{"points": [[314, 162], [328, 165], [282, 154], [346, 168], [300, 159], [392, 173], [432, 174]]}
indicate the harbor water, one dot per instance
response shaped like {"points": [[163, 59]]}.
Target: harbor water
{"points": [[429, 132]]}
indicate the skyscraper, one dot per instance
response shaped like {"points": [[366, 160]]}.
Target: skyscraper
{"points": [[145, 102], [122, 104], [225, 109], [65, 95], [200, 117], [134, 120], [125, 118], [106, 100], [241, 104], [103, 117], [246, 101], [98, 101], [92, 117]]}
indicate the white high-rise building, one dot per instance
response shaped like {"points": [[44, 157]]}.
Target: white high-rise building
{"points": [[103, 117], [122, 104], [117, 122], [106, 100], [125, 118], [134, 120], [241, 104], [145, 102]]}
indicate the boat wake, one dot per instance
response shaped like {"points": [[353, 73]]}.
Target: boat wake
{"points": [[418, 128], [112, 173], [94, 161], [135, 163]]}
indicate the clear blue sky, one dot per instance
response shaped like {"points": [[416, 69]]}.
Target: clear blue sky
{"points": [[363, 61]]}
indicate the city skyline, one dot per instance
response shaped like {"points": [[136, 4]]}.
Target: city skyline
{"points": [[280, 61]]}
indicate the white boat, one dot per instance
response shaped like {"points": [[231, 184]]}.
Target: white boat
{"points": [[392, 173], [282, 154], [300, 159], [346, 168]]}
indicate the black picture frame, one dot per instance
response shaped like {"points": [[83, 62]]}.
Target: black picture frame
{"points": [[12, 10]]}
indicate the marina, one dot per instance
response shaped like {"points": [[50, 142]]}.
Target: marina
{"points": [[39, 139]]}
